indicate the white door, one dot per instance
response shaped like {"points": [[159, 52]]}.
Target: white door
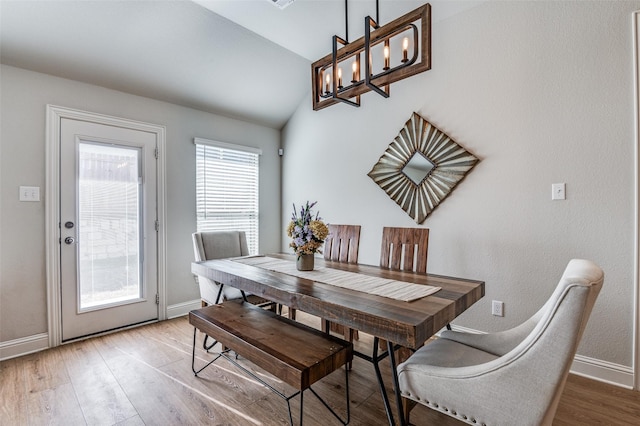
{"points": [[108, 234]]}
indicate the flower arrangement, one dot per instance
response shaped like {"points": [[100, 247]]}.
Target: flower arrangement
{"points": [[307, 233]]}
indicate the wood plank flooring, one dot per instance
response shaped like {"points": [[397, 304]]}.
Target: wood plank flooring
{"points": [[143, 377]]}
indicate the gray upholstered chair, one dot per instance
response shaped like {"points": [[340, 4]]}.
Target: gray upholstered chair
{"points": [[218, 245], [208, 245], [510, 377]]}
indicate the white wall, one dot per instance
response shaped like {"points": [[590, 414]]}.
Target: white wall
{"points": [[24, 96], [541, 92]]}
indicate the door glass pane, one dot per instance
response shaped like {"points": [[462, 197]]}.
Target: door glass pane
{"points": [[109, 258]]}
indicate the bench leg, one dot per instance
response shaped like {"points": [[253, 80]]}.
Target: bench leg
{"points": [[346, 384], [289, 409], [193, 354], [300, 392], [204, 343]]}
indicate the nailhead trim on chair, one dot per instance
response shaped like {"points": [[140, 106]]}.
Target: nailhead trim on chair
{"points": [[443, 409]]}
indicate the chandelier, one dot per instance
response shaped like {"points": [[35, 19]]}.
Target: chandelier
{"points": [[389, 53]]}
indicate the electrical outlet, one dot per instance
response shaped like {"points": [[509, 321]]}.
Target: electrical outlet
{"points": [[497, 308]]}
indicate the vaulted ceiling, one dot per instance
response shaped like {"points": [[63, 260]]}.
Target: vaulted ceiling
{"points": [[246, 59]]}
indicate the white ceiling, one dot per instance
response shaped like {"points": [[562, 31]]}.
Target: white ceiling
{"points": [[246, 59], [305, 27]]}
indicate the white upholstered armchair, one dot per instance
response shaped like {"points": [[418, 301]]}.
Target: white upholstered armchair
{"points": [[511, 377]]}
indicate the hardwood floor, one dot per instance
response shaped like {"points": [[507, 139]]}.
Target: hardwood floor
{"points": [[143, 377]]}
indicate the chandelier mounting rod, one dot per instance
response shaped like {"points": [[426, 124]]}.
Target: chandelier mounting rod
{"points": [[346, 21], [346, 18]]}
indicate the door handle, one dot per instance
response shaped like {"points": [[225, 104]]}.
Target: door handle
{"points": [[69, 240]]}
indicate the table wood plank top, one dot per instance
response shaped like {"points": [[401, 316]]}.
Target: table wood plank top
{"points": [[408, 324]]}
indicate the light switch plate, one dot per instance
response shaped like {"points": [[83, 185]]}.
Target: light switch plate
{"points": [[558, 191], [29, 193]]}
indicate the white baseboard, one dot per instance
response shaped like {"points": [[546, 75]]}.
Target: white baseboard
{"points": [[23, 346], [180, 309], [40, 342], [602, 371]]}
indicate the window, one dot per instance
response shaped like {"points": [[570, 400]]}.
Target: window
{"points": [[227, 189]]}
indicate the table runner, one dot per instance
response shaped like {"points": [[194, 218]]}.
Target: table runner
{"points": [[398, 290]]}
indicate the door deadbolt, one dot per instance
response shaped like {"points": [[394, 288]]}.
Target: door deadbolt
{"points": [[69, 240], [68, 225]]}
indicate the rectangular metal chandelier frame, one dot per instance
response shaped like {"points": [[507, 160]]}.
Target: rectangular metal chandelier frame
{"points": [[337, 93]]}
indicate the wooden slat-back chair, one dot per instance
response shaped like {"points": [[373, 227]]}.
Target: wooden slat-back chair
{"points": [[404, 249], [342, 245]]}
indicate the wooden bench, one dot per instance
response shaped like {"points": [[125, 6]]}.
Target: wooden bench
{"points": [[294, 353]]}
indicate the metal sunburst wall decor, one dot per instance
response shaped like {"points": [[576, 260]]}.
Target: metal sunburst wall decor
{"points": [[421, 167]]}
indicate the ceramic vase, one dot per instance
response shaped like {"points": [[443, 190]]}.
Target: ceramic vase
{"points": [[304, 262]]}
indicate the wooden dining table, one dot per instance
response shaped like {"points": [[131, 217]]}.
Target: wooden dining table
{"points": [[399, 323]]}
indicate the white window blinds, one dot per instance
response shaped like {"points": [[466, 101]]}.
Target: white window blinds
{"points": [[227, 189]]}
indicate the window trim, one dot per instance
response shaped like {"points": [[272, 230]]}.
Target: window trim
{"points": [[225, 145]]}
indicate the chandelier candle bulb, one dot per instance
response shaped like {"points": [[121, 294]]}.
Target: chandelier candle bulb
{"points": [[339, 78], [386, 55], [328, 83], [405, 49], [354, 67]]}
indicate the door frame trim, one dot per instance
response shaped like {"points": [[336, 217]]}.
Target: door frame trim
{"points": [[54, 115], [635, 359]]}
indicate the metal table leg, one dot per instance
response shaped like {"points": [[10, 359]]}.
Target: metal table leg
{"points": [[394, 376], [375, 360]]}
